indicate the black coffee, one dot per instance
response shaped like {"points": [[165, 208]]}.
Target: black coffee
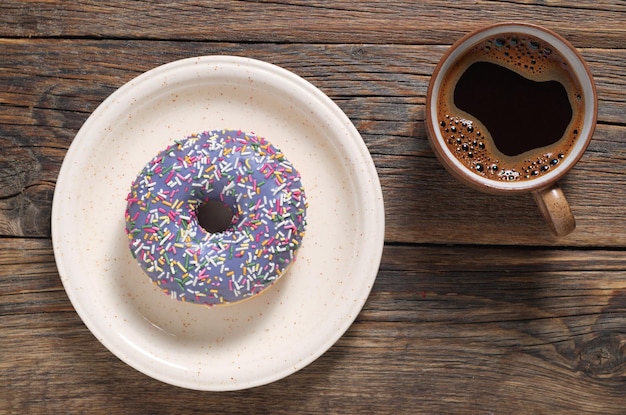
{"points": [[511, 108], [505, 102]]}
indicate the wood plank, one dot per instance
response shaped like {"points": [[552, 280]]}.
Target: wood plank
{"points": [[381, 88], [27, 177], [91, 70], [344, 21], [445, 210], [29, 274], [445, 330], [436, 374], [476, 308]]}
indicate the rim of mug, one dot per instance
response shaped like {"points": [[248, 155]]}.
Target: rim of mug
{"points": [[581, 71]]}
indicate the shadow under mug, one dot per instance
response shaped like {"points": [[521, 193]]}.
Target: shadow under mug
{"points": [[548, 195]]}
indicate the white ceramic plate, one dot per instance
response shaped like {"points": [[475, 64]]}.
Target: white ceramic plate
{"points": [[267, 337]]}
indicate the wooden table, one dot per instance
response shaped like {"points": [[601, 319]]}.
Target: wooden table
{"points": [[476, 308]]}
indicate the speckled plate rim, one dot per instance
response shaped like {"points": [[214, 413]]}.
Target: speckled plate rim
{"points": [[94, 264]]}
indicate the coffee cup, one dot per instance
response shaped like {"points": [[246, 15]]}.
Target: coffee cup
{"points": [[511, 108]]}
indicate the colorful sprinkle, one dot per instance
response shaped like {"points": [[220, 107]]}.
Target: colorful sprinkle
{"points": [[249, 175]]}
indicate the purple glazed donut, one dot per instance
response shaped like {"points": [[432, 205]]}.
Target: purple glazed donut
{"points": [[246, 173]]}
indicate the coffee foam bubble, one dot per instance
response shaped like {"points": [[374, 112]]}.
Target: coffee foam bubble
{"points": [[469, 140]]}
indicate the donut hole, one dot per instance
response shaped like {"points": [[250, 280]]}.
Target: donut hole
{"points": [[214, 216]]}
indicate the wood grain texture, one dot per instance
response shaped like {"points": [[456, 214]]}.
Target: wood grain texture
{"points": [[318, 21], [476, 308], [384, 97], [476, 330]]}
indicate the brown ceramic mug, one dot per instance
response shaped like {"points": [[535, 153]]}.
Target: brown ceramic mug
{"points": [[511, 108]]}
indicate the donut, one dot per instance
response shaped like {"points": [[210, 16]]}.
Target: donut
{"points": [[244, 172]]}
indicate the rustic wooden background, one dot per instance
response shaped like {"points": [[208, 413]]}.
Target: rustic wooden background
{"points": [[476, 309]]}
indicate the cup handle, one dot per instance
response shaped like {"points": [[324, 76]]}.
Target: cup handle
{"points": [[555, 210]]}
